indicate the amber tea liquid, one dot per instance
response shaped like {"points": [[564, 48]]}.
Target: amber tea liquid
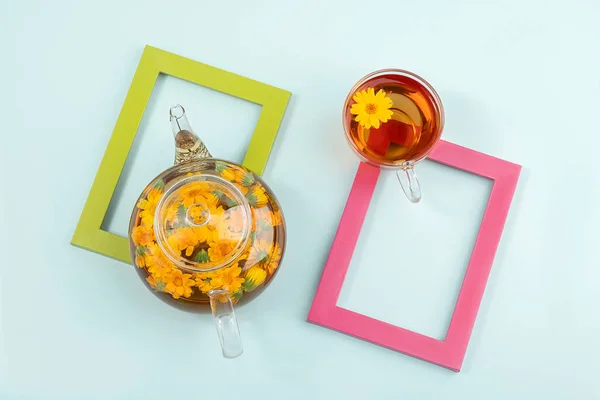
{"points": [[412, 131]]}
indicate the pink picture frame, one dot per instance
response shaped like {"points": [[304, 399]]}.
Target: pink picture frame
{"points": [[449, 352]]}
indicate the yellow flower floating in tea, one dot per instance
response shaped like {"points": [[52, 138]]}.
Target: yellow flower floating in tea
{"points": [[148, 206], [178, 283], [213, 242], [227, 279], [254, 277], [266, 254], [371, 109]]}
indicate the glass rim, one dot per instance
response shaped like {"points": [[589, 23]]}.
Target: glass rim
{"points": [[439, 107]]}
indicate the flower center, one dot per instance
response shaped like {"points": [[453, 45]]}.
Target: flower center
{"points": [[178, 282], [371, 108]]}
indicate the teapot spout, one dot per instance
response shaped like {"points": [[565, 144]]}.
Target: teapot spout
{"points": [[188, 146]]}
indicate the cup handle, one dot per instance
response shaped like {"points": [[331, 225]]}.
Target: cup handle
{"points": [[409, 182], [226, 322]]}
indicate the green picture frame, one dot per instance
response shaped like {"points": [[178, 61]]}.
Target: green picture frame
{"points": [[88, 233]]}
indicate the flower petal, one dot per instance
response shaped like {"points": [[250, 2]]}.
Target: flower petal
{"points": [[356, 109], [384, 115], [375, 121]]}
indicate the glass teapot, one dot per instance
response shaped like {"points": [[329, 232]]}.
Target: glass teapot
{"points": [[206, 234]]}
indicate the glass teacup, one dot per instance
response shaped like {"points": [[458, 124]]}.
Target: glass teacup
{"points": [[393, 119]]}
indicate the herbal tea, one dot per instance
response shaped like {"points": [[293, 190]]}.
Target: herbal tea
{"points": [[391, 119]]}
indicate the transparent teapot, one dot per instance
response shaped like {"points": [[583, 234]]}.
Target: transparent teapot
{"points": [[206, 234]]}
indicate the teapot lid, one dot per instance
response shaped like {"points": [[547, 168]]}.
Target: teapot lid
{"points": [[198, 208]]}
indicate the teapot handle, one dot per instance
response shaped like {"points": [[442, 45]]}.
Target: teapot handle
{"points": [[226, 322], [409, 182]]}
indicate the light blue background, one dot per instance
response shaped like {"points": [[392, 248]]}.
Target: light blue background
{"points": [[519, 80]]}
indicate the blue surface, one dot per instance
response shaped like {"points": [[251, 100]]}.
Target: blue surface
{"points": [[519, 80]]}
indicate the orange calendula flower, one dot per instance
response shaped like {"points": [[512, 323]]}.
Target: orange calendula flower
{"points": [[140, 256], [276, 254], [156, 284], [179, 284], [152, 249], [266, 219], [140, 261], [371, 109], [172, 213], [228, 279], [228, 174], [160, 271], [277, 218], [184, 240], [257, 196], [246, 178], [217, 217], [266, 254], [203, 280], [206, 234], [274, 261], [225, 171], [158, 265], [195, 188], [207, 199], [220, 250], [262, 216], [260, 252], [242, 188], [272, 266], [148, 206], [142, 235], [254, 277]]}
